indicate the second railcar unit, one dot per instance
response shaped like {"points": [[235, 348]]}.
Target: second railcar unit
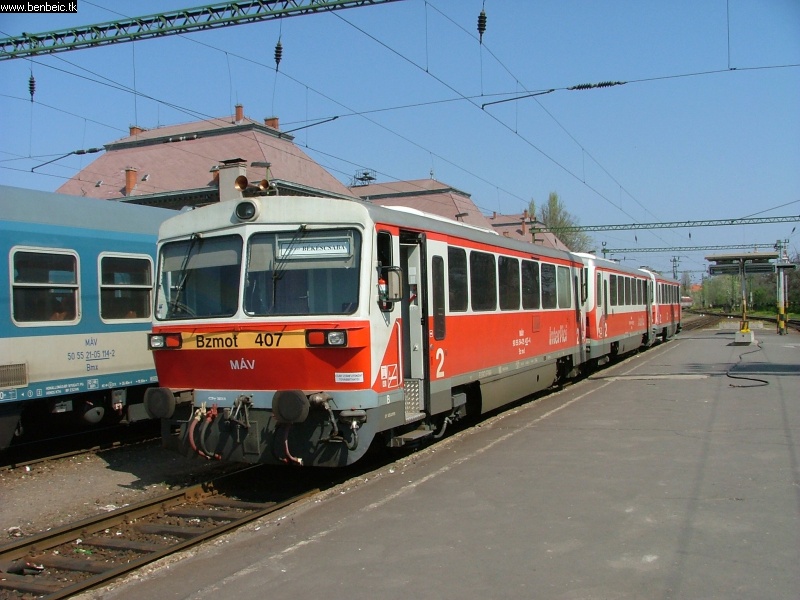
{"points": [[297, 329], [618, 308], [76, 301], [666, 308]]}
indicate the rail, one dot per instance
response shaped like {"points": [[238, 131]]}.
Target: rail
{"points": [[83, 555], [793, 323]]}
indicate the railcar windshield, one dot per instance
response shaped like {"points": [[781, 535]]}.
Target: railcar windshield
{"points": [[302, 272], [199, 278], [296, 272]]}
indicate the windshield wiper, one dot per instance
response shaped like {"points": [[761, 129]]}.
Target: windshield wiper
{"points": [[174, 304], [281, 261]]}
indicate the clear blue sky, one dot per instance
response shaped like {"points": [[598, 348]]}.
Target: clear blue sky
{"points": [[706, 127]]}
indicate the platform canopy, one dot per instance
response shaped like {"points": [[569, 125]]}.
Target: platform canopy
{"points": [[742, 264]]}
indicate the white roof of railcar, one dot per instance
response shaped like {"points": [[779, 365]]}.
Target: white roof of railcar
{"points": [[335, 211], [611, 264]]}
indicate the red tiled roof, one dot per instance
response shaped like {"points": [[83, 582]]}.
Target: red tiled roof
{"points": [[519, 227], [431, 196], [181, 157], [426, 195]]}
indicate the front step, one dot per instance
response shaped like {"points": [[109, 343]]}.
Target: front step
{"points": [[415, 416], [410, 437]]}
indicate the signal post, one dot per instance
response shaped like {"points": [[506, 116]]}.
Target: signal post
{"points": [[743, 264]]}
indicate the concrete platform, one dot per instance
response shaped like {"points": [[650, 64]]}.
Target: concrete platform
{"points": [[672, 475]]}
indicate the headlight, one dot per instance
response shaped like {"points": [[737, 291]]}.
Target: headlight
{"points": [[246, 211], [337, 338], [333, 337], [161, 341]]}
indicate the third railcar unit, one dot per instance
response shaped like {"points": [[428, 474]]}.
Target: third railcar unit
{"points": [[298, 329], [75, 301]]}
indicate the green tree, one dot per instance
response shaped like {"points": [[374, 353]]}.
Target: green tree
{"points": [[721, 291], [555, 216], [686, 284]]}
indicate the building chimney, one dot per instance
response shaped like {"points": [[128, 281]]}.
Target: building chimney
{"points": [[232, 179], [135, 130], [272, 122], [524, 228], [239, 113], [130, 180]]}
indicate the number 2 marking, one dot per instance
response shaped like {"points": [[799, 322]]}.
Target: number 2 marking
{"points": [[440, 366]]}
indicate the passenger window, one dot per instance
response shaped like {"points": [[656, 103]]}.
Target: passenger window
{"points": [[457, 279], [530, 285], [508, 270], [564, 288], [613, 279], [482, 281], [598, 287], [45, 286], [437, 275], [125, 287], [549, 297]]}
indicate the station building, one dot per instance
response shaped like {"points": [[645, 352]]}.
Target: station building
{"points": [[207, 161]]}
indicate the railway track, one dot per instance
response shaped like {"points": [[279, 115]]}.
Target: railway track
{"points": [[92, 441], [704, 320], [699, 321], [67, 560]]}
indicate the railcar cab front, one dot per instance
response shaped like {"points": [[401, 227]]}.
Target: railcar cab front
{"points": [[274, 328]]}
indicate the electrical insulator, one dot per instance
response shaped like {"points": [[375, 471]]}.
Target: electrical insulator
{"points": [[481, 25], [278, 54], [32, 86]]}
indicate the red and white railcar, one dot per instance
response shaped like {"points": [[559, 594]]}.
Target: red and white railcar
{"points": [[618, 308], [298, 329], [666, 305], [301, 329]]}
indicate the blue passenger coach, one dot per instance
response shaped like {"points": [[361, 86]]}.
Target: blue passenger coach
{"points": [[75, 308]]}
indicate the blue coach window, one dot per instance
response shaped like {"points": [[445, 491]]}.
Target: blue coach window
{"points": [[125, 287], [45, 286]]}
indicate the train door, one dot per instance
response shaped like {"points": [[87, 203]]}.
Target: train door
{"points": [[673, 304], [413, 313], [601, 298], [581, 284]]}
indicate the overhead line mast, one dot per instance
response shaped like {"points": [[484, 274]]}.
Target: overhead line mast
{"points": [[187, 20]]}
